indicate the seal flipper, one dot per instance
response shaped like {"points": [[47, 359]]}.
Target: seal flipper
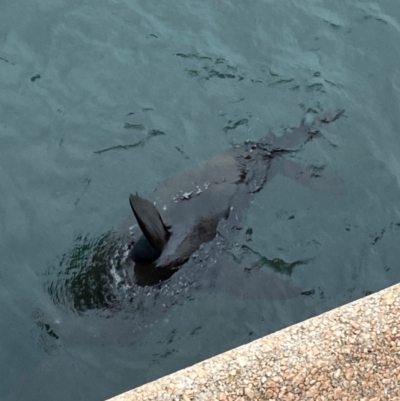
{"points": [[150, 222]]}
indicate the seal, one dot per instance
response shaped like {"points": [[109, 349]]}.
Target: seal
{"points": [[191, 208]]}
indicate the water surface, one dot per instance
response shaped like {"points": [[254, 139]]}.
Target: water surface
{"points": [[100, 99]]}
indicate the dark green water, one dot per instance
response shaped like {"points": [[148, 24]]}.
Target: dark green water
{"points": [[77, 78]]}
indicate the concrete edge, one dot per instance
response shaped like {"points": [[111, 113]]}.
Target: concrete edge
{"points": [[349, 353]]}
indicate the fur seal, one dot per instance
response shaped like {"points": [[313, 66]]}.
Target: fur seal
{"points": [[191, 208]]}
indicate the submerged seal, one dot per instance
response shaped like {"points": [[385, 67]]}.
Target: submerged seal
{"points": [[188, 210]]}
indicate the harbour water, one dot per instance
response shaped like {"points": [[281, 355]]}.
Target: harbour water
{"points": [[101, 99]]}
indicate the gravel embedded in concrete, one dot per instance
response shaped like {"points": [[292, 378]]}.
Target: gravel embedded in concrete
{"points": [[349, 353]]}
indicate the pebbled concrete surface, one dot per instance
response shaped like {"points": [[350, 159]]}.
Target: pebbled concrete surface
{"points": [[349, 353]]}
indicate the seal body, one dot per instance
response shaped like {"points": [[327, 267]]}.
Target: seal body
{"points": [[189, 209]]}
